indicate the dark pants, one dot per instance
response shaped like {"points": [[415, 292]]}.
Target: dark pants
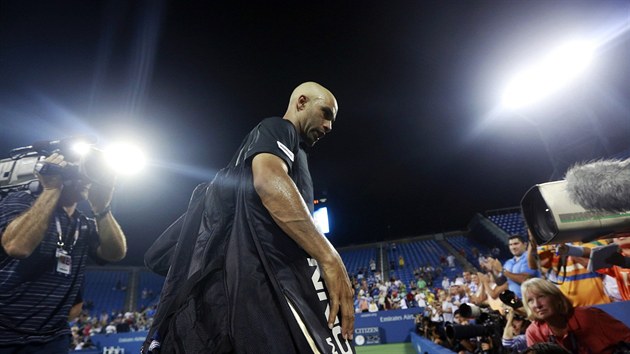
{"points": [[59, 345]]}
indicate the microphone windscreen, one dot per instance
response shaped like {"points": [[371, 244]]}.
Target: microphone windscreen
{"points": [[600, 185]]}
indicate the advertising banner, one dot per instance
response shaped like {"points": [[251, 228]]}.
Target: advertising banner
{"points": [[384, 327]]}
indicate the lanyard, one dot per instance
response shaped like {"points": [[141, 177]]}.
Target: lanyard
{"points": [[60, 243]]}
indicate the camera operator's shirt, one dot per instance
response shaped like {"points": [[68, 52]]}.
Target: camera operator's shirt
{"points": [[35, 298], [580, 285]]}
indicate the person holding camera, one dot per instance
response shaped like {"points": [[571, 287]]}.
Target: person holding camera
{"points": [[577, 329], [45, 244], [582, 286], [514, 332]]}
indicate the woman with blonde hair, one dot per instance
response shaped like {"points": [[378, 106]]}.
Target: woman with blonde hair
{"points": [[577, 329]]}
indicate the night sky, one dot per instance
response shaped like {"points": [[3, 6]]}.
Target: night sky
{"points": [[419, 146]]}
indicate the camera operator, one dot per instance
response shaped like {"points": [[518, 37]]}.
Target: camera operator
{"points": [[581, 286], [45, 244], [514, 332]]}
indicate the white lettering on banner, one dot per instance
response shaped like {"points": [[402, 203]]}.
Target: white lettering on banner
{"points": [[366, 330], [342, 344], [364, 315], [391, 318], [113, 350], [129, 340]]}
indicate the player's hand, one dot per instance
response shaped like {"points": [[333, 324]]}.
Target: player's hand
{"points": [[48, 171], [341, 295]]}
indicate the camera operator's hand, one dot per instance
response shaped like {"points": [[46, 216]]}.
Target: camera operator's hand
{"points": [[100, 196], [49, 177], [486, 346]]}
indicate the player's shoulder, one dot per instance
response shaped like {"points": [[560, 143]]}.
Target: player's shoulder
{"points": [[277, 123]]}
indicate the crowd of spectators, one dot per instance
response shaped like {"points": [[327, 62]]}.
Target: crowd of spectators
{"points": [[495, 287], [85, 326], [504, 324]]}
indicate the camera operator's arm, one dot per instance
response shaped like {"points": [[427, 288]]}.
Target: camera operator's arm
{"points": [[532, 252], [113, 245], [508, 331], [579, 254], [26, 232], [282, 199]]}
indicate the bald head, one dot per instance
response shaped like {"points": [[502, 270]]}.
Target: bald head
{"points": [[312, 110], [313, 91]]}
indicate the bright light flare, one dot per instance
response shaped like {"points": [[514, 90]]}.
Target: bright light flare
{"points": [[81, 148], [124, 158], [559, 68]]}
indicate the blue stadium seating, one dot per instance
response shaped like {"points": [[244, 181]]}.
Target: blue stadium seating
{"points": [[510, 222], [418, 254], [104, 288], [460, 242], [358, 259], [152, 283]]}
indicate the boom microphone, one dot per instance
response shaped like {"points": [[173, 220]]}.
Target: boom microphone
{"points": [[600, 185], [592, 202]]}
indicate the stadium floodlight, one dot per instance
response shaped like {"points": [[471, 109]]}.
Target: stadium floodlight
{"points": [[552, 73], [125, 158], [81, 148]]}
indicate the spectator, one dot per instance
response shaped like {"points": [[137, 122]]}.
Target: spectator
{"points": [[373, 307], [450, 259], [446, 284], [401, 261], [515, 269], [577, 329]]}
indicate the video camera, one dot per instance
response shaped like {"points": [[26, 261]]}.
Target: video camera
{"points": [[18, 171]]}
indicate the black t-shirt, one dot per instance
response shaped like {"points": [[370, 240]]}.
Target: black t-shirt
{"points": [[279, 137]]}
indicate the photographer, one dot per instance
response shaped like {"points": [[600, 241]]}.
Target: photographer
{"points": [[514, 332], [45, 245]]}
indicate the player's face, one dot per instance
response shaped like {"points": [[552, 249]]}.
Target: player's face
{"points": [[320, 116]]}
